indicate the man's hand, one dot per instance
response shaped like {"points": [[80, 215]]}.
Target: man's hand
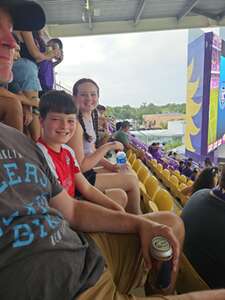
{"points": [[149, 229]]}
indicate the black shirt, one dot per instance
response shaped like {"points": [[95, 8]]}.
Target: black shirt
{"points": [[204, 219]]}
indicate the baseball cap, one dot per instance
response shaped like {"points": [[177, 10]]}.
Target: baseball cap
{"points": [[26, 15], [125, 124]]}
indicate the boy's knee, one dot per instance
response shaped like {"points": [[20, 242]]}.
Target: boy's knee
{"points": [[172, 220], [124, 198], [176, 223], [133, 180]]}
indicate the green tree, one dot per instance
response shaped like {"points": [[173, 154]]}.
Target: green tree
{"points": [[129, 112]]}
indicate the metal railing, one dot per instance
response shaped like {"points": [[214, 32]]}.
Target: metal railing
{"points": [[58, 86]]}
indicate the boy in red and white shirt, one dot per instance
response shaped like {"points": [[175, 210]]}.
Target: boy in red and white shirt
{"points": [[58, 121]]}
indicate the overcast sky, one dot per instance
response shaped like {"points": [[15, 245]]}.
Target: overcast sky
{"points": [[129, 68]]}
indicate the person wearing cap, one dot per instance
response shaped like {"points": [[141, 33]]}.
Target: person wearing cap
{"points": [[122, 136], [44, 258], [33, 17]]}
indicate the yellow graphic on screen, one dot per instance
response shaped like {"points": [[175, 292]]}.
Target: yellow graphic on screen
{"points": [[192, 108]]}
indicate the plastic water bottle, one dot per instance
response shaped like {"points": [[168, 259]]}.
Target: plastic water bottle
{"points": [[121, 160]]}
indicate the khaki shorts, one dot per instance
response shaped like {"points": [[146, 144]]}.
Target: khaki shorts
{"points": [[124, 271]]}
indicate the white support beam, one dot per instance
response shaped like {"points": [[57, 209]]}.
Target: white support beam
{"points": [[139, 11], [128, 26], [222, 15], [90, 23], [187, 8], [205, 14], [88, 14]]}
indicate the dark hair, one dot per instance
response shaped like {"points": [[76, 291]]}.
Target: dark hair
{"points": [[56, 41], [125, 124], [188, 164], [222, 178], [101, 107], [81, 81], [205, 180], [195, 170], [94, 113], [118, 125], [56, 101], [208, 162]]}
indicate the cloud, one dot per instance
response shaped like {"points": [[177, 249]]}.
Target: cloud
{"points": [[129, 68]]}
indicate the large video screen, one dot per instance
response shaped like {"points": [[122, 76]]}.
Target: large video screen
{"points": [[221, 106], [216, 125]]}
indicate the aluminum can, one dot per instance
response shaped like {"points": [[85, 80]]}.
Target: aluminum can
{"points": [[49, 49], [162, 253]]}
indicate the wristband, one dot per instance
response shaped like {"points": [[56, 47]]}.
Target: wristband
{"points": [[35, 111]]}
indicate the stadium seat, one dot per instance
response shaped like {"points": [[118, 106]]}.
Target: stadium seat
{"points": [[132, 158], [166, 177], [176, 173], [158, 170], [151, 185], [152, 207], [174, 184], [136, 165], [183, 178], [152, 163], [183, 198], [190, 182], [129, 154], [143, 173], [188, 280], [163, 200]]}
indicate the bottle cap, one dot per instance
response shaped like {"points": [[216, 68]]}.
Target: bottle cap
{"points": [[160, 248]]}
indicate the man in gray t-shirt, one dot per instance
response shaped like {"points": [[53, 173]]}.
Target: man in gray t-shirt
{"points": [[37, 237]]}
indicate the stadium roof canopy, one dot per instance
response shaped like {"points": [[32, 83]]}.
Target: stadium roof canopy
{"points": [[90, 17]]}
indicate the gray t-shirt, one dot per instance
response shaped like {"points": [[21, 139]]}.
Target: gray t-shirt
{"points": [[41, 257], [204, 220]]}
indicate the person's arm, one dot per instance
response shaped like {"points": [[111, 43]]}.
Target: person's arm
{"points": [[34, 50], [87, 217], [108, 165], [27, 115], [59, 60], [89, 192], [88, 162], [5, 94]]}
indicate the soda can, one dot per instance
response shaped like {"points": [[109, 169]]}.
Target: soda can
{"points": [[161, 253], [49, 49]]}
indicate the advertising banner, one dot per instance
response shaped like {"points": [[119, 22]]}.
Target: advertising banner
{"points": [[193, 131]]}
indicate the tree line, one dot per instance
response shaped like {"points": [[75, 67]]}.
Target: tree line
{"points": [[136, 113]]}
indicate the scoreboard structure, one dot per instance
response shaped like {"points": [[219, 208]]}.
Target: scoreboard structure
{"points": [[205, 107]]}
